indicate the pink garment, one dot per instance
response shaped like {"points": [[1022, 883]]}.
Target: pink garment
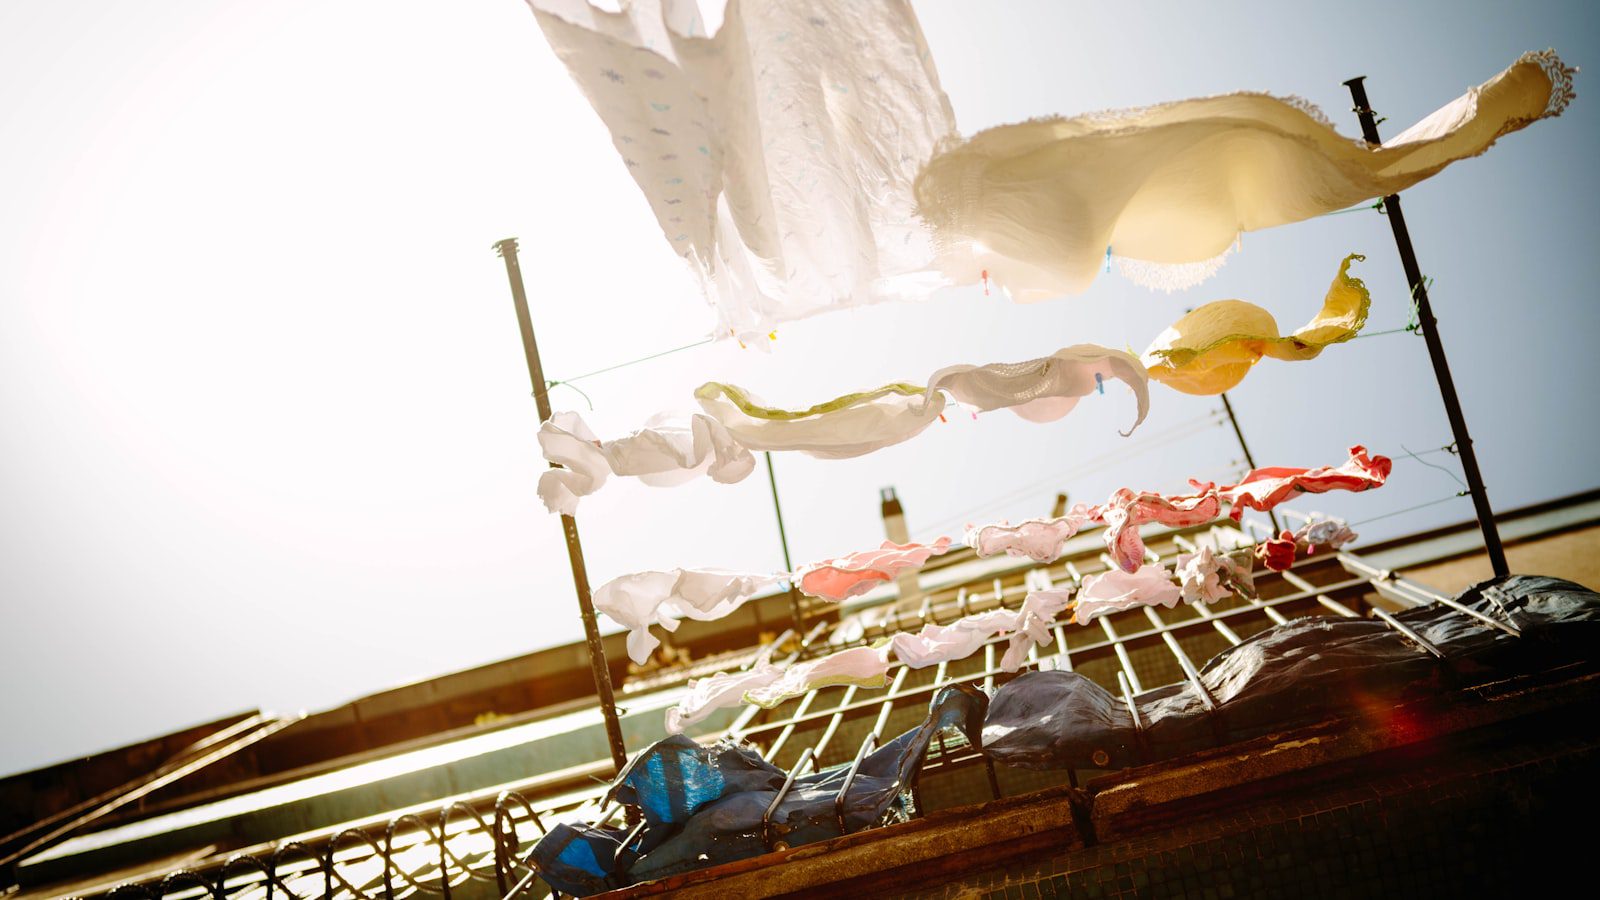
{"points": [[1114, 591], [1265, 488], [1206, 576], [1040, 540], [853, 575], [1126, 511]]}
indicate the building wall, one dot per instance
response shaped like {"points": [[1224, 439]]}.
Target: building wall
{"points": [[1573, 555]]}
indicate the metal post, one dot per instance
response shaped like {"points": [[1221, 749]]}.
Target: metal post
{"points": [[1430, 333], [580, 575], [797, 618], [1249, 459]]}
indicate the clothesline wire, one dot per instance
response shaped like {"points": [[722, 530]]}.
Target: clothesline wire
{"points": [[1413, 321], [1094, 464], [623, 365], [1448, 448], [1456, 496], [1363, 208]]}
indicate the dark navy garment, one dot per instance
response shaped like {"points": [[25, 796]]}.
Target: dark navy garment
{"points": [[702, 806]]}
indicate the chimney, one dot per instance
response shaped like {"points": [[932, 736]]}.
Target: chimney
{"points": [[894, 525]]}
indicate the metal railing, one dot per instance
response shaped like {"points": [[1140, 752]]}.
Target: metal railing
{"points": [[1129, 653]]}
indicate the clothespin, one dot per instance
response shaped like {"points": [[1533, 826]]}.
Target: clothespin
{"points": [[1108, 259], [943, 419], [772, 335], [1099, 384], [985, 277]]}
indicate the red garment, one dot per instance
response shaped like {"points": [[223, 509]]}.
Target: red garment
{"points": [[1261, 489], [1277, 553], [1265, 488]]}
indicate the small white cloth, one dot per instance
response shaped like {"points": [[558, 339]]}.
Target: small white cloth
{"points": [[777, 154], [1036, 205], [1206, 576], [1045, 389], [844, 427], [1038, 613], [1040, 540], [642, 599], [1320, 531], [567, 441], [721, 691], [1028, 627], [667, 452], [934, 644], [1115, 590], [861, 666]]}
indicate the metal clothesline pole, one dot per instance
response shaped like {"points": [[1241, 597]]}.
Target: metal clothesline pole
{"points": [[580, 575], [797, 619], [1430, 333], [1249, 458]]}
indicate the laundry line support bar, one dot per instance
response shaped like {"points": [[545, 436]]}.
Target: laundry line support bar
{"points": [[580, 574], [1249, 458], [796, 618], [1430, 333]]}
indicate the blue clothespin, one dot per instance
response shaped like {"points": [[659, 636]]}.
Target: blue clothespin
{"points": [[1108, 259], [1099, 383]]}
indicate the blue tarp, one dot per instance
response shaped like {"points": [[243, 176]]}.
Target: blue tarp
{"points": [[704, 805]]}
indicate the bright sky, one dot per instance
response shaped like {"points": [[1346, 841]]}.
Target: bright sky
{"points": [[268, 436]]}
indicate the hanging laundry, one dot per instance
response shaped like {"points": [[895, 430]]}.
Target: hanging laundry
{"points": [[777, 154], [1278, 554], [1206, 576], [1173, 277], [1038, 613], [1036, 204], [1126, 510], [664, 453], [1211, 349], [1040, 540], [852, 425], [1262, 489], [934, 643], [642, 599], [1323, 531], [567, 441], [1114, 591], [723, 690], [859, 572], [768, 685], [1028, 627], [1044, 389], [671, 451], [860, 666]]}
